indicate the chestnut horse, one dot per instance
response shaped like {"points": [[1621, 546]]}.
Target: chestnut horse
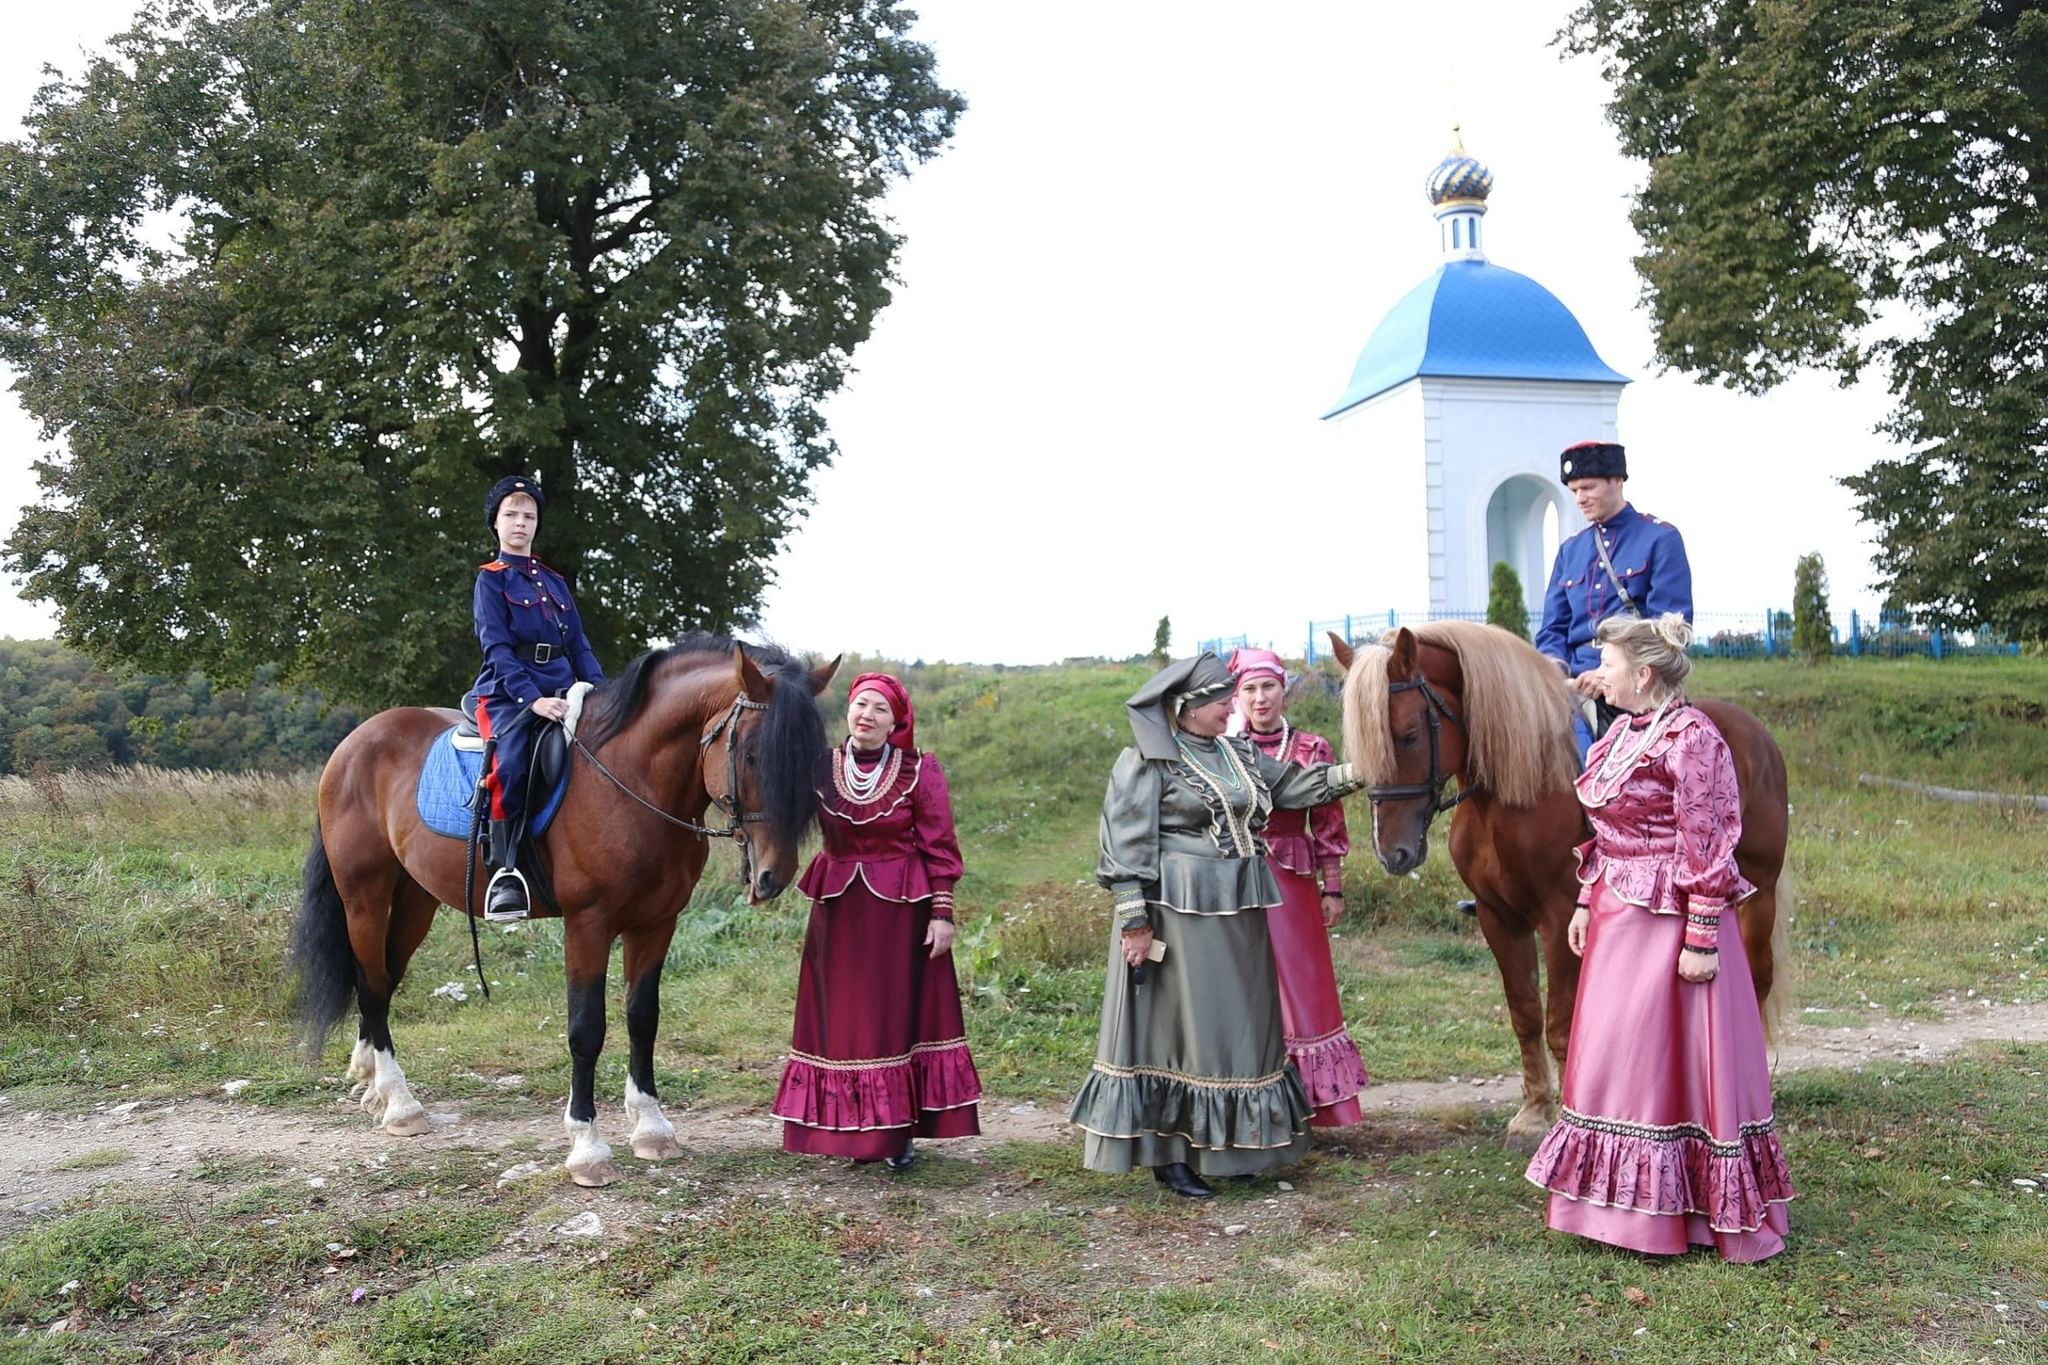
{"points": [[703, 722], [1454, 699]]}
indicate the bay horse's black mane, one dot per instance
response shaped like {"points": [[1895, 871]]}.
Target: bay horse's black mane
{"points": [[785, 747]]}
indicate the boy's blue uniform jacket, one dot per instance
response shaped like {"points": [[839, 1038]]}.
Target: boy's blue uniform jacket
{"points": [[533, 647], [1649, 559]]}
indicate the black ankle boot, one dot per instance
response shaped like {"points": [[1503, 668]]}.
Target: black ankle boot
{"points": [[903, 1160], [1177, 1176], [505, 899]]}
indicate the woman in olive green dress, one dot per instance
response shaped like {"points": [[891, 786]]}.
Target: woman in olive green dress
{"points": [[1191, 1075]]}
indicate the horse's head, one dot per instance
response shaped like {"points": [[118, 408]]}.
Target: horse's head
{"points": [[1404, 731], [760, 761]]}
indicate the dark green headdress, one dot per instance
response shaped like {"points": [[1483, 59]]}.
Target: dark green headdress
{"points": [[1154, 707]]}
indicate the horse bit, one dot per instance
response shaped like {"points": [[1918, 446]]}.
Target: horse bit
{"points": [[1432, 790]]}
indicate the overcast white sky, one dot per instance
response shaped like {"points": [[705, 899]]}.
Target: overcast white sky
{"points": [[1148, 261]]}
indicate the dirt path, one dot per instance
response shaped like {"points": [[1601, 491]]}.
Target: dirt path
{"points": [[50, 1158], [1886, 1038]]}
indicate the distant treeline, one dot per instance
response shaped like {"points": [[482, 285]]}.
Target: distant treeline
{"points": [[58, 711]]}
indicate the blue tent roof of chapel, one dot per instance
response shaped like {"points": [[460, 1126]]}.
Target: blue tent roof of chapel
{"points": [[1475, 320]]}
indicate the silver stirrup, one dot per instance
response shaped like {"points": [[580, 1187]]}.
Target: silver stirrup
{"points": [[526, 891]]}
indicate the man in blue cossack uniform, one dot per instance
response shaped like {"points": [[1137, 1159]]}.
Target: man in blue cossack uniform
{"points": [[534, 651], [1624, 563]]}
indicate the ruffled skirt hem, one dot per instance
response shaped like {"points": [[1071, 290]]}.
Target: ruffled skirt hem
{"points": [[896, 1092], [1661, 1173], [1332, 1073], [1125, 1109]]}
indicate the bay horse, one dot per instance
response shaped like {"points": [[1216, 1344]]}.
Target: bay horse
{"points": [[703, 722], [1456, 699]]}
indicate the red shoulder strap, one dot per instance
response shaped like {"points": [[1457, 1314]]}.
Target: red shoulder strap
{"points": [[491, 567]]}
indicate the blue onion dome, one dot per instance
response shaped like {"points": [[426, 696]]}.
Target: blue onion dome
{"points": [[1460, 178]]}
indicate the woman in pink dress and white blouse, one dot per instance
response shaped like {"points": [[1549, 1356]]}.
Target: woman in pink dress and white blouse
{"points": [[1306, 849], [1666, 1140]]}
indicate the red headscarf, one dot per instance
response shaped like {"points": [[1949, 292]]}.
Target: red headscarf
{"points": [[904, 736]]}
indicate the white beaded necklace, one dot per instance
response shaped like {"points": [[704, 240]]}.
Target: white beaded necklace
{"points": [[862, 787], [1286, 738], [1619, 757]]}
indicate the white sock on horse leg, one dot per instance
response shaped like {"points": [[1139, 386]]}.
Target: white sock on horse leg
{"points": [[402, 1114], [653, 1136], [590, 1156]]}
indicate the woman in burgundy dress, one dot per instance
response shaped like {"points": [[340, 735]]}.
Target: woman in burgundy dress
{"points": [[1666, 1140], [1306, 850], [879, 1052]]}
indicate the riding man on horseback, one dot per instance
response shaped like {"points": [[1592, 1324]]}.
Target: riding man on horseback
{"points": [[1624, 562], [534, 651]]}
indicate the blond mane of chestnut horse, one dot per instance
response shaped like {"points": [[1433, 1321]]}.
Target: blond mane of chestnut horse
{"points": [[704, 722], [1458, 700]]}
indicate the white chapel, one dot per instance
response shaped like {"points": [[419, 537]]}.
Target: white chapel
{"points": [[1487, 376]]}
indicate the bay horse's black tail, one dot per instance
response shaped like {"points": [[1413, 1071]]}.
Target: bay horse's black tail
{"points": [[322, 963]]}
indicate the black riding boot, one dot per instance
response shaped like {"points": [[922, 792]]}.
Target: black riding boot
{"points": [[505, 900]]}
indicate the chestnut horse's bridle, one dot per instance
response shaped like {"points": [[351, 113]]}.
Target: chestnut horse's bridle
{"points": [[1432, 790]]}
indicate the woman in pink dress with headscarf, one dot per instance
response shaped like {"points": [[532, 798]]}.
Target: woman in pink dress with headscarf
{"points": [[878, 1056], [1666, 1140], [1306, 849]]}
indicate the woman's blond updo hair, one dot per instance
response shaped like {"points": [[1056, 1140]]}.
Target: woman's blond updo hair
{"points": [[1660, 642]]}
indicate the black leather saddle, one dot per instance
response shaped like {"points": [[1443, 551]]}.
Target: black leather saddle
{"points": [[550, 760]]}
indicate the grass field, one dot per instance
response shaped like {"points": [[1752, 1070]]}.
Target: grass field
{"points": [[142, 920]]}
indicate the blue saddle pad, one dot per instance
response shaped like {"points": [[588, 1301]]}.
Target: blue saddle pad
{"points": [[447, 782]]}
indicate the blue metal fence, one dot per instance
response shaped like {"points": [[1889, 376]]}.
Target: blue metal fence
{"points": [[1724, 635]]}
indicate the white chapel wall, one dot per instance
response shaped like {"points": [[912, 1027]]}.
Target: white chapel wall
{"points": [[1477, 434]]}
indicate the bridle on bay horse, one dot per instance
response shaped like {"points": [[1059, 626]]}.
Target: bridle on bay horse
{"points": [[728, 802], [1431, 790]]}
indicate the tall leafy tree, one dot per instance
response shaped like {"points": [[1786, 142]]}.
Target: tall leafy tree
{"points": [[1840, 182], [294, 280]]}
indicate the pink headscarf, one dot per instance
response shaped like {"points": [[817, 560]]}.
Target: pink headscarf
{"points": [[1243, 664], [1247, 661], [892, 690]]}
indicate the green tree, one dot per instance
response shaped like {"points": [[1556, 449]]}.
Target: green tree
{"points": [[62, 746], [1162, 642], [1505, 606], [1812, 162], [1812, 631], [627, 246]]}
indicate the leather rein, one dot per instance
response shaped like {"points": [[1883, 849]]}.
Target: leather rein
{"points": [[1432, 790]]}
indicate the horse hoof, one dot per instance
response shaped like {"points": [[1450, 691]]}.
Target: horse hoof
{"points": [[1526, 1130], [595, 1176], [407, 1124], [660, 1148]]}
